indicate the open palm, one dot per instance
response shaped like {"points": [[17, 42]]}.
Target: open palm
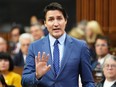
{"points": [[41, 65]]}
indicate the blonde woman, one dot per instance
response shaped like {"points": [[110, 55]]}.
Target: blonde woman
{"points": [[93, 29]]}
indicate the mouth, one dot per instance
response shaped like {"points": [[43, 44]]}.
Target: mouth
{"points": [[56, 29]]}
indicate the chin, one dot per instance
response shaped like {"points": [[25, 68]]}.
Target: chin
{"points": [[57, 35]]}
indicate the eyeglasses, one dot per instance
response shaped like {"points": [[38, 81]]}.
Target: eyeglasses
{"points": [[102, 45], [112, 66], [25, 45]]}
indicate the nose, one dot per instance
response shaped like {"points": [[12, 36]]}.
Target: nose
{"points": [[56, 23]]}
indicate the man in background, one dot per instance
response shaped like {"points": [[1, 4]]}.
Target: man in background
{"points": [[36, 31], [25, 40], [109, 70], [3, 45]]}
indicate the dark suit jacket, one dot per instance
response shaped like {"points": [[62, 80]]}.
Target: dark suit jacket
{"points": [[100, 84], [76, 60], [18, 59]]}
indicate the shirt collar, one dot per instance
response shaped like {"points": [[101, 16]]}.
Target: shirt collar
{"points": [[61, 39]]}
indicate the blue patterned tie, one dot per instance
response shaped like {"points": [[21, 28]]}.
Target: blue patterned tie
{"points": [[56, 57]]}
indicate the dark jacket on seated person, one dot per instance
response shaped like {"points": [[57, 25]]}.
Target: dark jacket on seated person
{"points": [[100, 84], [19, 59]]}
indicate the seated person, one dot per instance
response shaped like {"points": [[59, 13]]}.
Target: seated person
{"points": [[25, 39], [6, 69], [109, 70], [3, 45], [14, 40], [102, 51], [36, 31], [2, 82]]}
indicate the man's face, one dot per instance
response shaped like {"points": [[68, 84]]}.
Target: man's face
{"points": [[3, 45], [55, 23], [15, 35], [25, 45], [36, 32], [101, 47], [109, 69]]}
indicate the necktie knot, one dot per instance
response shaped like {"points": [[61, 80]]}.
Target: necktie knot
{"points": [[56, 42]]}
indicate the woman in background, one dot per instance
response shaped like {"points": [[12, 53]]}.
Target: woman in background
{"points": [[6, 69], [2, 81], [92, 31]]}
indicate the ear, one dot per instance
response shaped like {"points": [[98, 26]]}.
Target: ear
{"points": [[66, 21], [45, 23]]}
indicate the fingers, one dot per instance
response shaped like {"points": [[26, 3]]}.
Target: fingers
{"points": [[47, 57], [35, 60], [43, 59], [38, 58], [43, 56]]}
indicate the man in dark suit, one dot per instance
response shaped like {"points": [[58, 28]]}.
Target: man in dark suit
{"points": [[25, 39], [109, 70], [58, 59]]}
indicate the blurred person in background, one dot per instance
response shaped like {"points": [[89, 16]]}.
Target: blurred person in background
{"points": [[25, 40], [3, 45], [6, 69], [102, 52], [14, 41], [109, 70], [92, 30], [102, 46], [3, 83], [77, 33], [36, 31], [82, 25]]}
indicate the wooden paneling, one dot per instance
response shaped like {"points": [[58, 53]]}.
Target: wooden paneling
{"points": [[105, 25], [103, 11], [112, 21]]}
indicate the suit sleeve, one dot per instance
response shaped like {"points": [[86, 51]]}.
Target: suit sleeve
{"points": [[29, 78], [85, 69]]}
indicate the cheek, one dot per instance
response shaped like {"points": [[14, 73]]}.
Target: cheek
{"points": [[7, 64]]}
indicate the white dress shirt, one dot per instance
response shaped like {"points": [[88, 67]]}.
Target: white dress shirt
{"points": [[60, 45], [24, 56], [108, 84]]}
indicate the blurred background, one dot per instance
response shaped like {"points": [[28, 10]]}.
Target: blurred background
{"points": [[20, 12]]}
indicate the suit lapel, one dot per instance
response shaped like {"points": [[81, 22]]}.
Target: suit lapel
{"points": [[67, 53], [47, 50]]}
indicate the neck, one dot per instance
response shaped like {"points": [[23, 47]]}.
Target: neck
{"points": [[4, 73], [111, 79], [101, 56]]}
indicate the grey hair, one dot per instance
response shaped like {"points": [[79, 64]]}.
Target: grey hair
{"points": [[110, 57], [26, 36], [36, 24]]}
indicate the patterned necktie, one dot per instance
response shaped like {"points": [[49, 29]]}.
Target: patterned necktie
{"points": [[56, 57]]}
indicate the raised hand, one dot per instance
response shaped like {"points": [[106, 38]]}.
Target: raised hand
{"points": [[41, 65]]}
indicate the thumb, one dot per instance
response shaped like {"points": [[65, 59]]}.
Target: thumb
{"points": [[48, 68]]}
